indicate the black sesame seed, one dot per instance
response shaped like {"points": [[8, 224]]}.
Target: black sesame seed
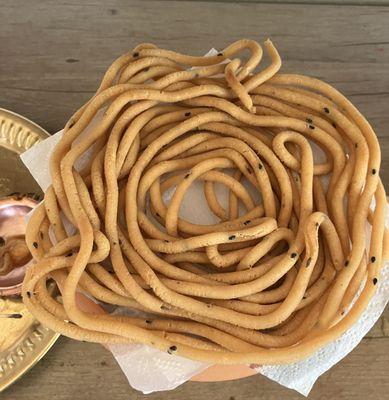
{"points": [[326, 110], [375, 280], [69, 254], [166, 241], [260, 166], [15, 316], [232, 237], [148, 321], [28, 294], [187, 176], [372, 259], [219, 54], [136, 54], [311, 127], [35, 244], [247, 222], [164, 307], [71, 123], [187, 114], [343, 312], [309, 120], [293, 255], [308, 262], [157, 215], [304, 297], [346, 263], [373, 171], [172, 349]]}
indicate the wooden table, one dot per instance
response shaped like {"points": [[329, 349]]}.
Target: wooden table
{"points": [[51, 60]]}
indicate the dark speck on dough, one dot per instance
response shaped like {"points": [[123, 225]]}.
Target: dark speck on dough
{"points": [[172, 349]]}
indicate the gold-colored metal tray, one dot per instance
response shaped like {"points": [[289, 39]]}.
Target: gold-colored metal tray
{"points": [[23, 341]]}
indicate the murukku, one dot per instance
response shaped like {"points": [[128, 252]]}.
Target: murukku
{"points": [[283, 268]]}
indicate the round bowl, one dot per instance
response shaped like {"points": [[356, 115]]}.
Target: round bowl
{"points": [[13, 211]]}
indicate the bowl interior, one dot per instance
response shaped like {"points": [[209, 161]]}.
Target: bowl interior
{"points": [[12, 224]]}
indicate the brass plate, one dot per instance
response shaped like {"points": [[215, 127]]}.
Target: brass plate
{"points": [[23, 342]]}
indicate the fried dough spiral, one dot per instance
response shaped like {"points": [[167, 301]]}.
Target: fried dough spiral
{"points": [[274, 278]]}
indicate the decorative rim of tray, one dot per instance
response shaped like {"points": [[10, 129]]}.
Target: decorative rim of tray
{"points": [[30, 340]]}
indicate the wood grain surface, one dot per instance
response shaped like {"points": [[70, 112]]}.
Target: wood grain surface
{"points": [[52, 56]]}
